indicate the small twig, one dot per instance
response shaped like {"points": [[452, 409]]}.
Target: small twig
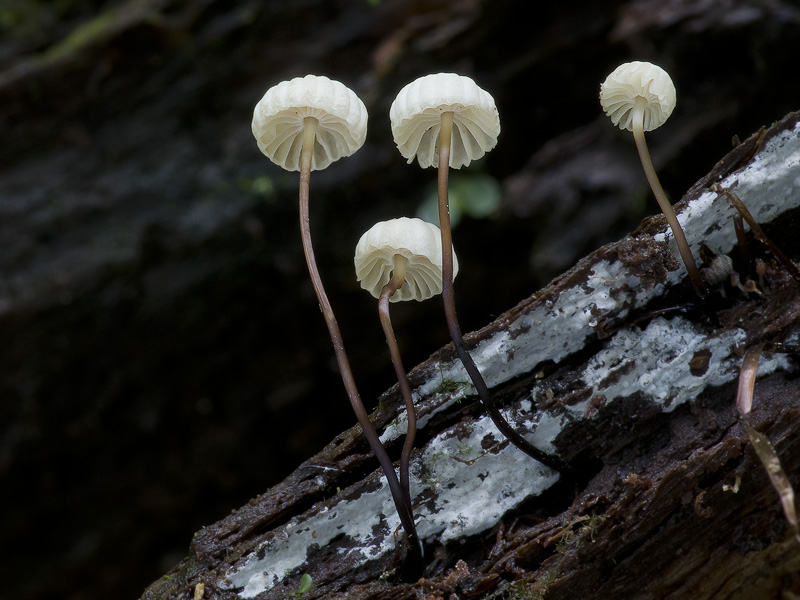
{"points": [[737, 203], [764, 449], [777, 476], [741, 238], [747, 379]]}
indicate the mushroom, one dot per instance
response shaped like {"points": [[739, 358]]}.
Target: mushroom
{"points": [[400, 260], [303, 125], [309, 110], [445, 119], [639, 97]]}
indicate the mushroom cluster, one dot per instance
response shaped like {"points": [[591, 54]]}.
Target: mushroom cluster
{"points": [[305, 124], [447, 121]]}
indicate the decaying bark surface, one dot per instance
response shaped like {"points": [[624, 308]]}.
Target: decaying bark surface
{"points": [[162, 358], [618, 367]]}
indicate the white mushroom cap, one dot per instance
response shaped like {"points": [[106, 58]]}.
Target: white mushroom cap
{"points": [[418, 241], [278, 121], [633, 80], [416, 117]]}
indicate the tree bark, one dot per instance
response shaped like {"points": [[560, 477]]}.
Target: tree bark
{"points": [[162, 356], [616, 366]]}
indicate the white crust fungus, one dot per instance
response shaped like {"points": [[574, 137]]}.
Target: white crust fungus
{"points": [[414, 239], [629, 81], [278, 121], [416, 119]]}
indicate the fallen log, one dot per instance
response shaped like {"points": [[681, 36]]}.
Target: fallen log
{"points": [[617, 367]]}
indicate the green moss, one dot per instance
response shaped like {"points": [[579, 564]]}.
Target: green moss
{"points": [[450, 386], [96, 30], [571, 535], [464, 450], [520, 590], [523, 591], [82, 36], [546, 581], [589, 527]]}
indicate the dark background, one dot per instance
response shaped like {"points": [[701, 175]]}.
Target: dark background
{"points": [[162, 357]]}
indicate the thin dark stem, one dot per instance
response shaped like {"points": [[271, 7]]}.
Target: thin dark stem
{"points": [[398, 275], [400, 502], [666, 207], [741, 239], [448, 296]]}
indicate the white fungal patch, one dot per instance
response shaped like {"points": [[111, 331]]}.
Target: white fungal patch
{"points": [[396, 428], [638, 361], [464, 485], [288, 548], [473, 489], [555, 330], [450, 382], [765, 187], [545, 427], [552, 331], [495, 355]]}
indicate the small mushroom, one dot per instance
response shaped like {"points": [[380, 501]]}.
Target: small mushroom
{"points": [[639, 97], [287, 113], [447, 120], [420, 109], [399, 260], [302, 125], [404, 239]]}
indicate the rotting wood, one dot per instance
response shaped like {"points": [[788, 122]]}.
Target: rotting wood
{"points": [[618, 367]]}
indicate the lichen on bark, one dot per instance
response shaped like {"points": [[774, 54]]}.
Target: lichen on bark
{"points": [[616, 366]]}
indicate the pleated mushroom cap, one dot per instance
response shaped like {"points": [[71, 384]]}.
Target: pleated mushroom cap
{"points": [[278, 121], [416, 119], [633, 80], [418, 241]]}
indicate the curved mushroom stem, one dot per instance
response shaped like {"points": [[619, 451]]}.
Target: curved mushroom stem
{"points": [[445, 136], [400, 501], [395, 283], [661, 198]]}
